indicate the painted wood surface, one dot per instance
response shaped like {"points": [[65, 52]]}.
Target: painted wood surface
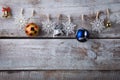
{"points": [[45, 54], [60, 75]]}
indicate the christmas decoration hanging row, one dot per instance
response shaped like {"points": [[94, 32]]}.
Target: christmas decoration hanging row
{"points": [[58, 28]]}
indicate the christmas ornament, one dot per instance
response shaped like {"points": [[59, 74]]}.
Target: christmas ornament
{"points": [[21, 20], [32, 29], [98, 24], [6, 12], [69, 27], [82, 35], [48, 26], [58, 29], [107, 22]]}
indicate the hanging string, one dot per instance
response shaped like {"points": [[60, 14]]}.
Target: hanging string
{"points": [[108, 13], [69, 19], [97, 15], [48, 17], [82, 18], [22, 12], [33, 13]]}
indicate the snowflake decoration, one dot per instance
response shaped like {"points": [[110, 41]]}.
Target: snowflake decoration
{"points": [[118, 19], [69, 28], [48, 26], [21, 21], [98, 25]]}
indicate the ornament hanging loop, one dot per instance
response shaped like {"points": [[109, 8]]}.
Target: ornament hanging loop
{"points": [[108, 13], [48, 17], [58, 17], [69, 18], [82, 18], [97, 15], [22, 12], [33, 13]]}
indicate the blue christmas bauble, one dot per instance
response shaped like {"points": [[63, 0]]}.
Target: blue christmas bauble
{"points": [[82, 35]]}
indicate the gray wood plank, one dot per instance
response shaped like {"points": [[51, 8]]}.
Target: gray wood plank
{"points": [[54, 7], [58, 54], [63, 3], [60, 75]]}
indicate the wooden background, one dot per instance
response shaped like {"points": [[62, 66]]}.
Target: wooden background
{"points": [[38, 58]]}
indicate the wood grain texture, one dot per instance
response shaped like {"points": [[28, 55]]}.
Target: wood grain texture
{"points": [[65, 7], [60, 75], [47, 54]]}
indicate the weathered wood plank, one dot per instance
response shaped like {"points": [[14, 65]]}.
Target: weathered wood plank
{"points": [[47, 54], [40, 3], [55, 7], [60, 75]]}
